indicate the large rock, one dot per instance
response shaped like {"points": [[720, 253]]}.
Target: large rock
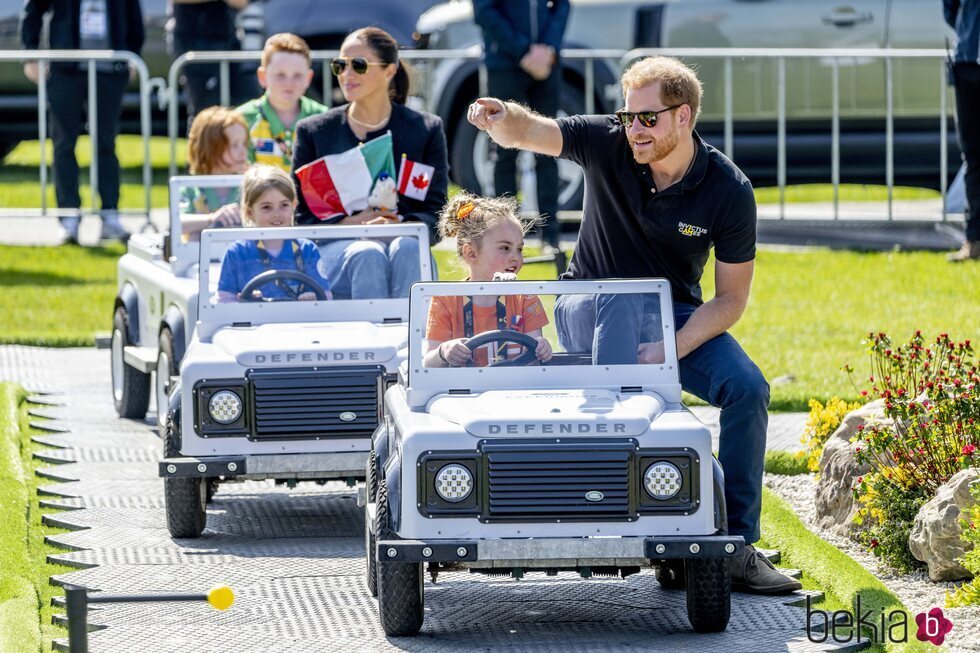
{"points": [[935, 537], [835, 504]]}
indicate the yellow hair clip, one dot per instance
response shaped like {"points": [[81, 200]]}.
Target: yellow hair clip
{"points": [[464, 210]]}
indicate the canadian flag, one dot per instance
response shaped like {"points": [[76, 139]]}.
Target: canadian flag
{"points": [[414, 178]]}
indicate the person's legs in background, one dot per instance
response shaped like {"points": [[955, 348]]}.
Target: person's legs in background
{"points": [[403, 259], [966, 78], [506, 85], [596, 324], [111, 87], [543, 96], [356, 269], [67, 121]]}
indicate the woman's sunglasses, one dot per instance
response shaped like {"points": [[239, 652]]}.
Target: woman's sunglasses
{"points": [[358, 64], [647, 118]]}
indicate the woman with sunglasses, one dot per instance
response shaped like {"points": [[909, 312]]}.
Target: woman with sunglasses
{"points": [[375, 84]]}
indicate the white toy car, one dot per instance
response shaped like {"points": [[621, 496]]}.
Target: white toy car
{"points": [[520, 466], [156, 305], [276, 388]]}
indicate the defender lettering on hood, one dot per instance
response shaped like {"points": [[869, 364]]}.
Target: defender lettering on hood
{"points": [[555, 428], [280, 358]]}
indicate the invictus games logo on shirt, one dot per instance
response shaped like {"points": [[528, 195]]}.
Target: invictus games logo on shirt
{"points": [[685, 229]]}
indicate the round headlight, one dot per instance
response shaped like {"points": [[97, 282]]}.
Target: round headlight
{"points": [[454, 483], [662, 480], [225, 407]]}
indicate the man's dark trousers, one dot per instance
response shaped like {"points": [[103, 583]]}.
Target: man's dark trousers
{"points": [[966, 78], [66, 85], [719, 372], [542, 96]]}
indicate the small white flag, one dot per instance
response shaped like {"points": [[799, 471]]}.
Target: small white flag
{"points": [[414, 179]]}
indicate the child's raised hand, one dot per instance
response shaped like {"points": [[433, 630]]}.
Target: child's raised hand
{"points": [[543, 350], [455, 352]]}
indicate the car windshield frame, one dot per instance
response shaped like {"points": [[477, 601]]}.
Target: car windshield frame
{"points": [[424, 383], [185, 254], [213, 315]]}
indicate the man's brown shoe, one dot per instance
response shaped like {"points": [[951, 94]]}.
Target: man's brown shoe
{"points": [[753, 573], [969, 252]]}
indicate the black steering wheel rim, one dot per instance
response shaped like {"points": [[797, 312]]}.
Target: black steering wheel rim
{"points": [[502, 336], [276, 276]]}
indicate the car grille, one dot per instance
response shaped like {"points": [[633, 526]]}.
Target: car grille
{"points": [[308, 404], [551, 481]]}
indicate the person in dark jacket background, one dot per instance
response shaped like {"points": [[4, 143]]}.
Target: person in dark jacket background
{"points": [[964, 17], [84, 25], [521, 43]]}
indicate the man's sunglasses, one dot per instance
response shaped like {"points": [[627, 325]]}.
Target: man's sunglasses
{"points": [[358, 64], [647, 118]]}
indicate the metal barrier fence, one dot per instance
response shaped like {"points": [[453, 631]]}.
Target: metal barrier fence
{"points": [[91, 57], [835, 56]]}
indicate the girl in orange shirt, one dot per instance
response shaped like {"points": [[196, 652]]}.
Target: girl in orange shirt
{"points": [[489, 241]]}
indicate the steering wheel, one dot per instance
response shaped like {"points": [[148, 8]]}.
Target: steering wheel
{"points": [[280, 278], [502, 336]]}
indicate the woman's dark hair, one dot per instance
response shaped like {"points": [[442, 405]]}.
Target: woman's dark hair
{"points": [[386, 48]]}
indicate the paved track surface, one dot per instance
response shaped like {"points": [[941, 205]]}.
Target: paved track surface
{"points": [[295, 557]]}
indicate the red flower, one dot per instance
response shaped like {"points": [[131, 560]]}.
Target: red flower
{"points": [[968, 450]]}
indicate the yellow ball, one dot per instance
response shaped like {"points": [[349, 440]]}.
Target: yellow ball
{"points": [[221, 597]]}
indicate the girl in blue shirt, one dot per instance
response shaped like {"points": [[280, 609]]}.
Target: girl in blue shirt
{"points": [[268, 200]]}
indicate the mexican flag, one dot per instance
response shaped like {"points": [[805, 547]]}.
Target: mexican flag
{"points": [[340, 184]]}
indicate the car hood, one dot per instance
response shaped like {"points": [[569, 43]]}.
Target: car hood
{"points": [[523, 413], [302, 345]]}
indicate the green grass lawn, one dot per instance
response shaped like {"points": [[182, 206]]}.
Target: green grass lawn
{"points": [[25, 592], [807, 316]]}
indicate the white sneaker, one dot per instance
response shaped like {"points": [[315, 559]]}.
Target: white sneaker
{"points": [[69, 229], [112, 229]]}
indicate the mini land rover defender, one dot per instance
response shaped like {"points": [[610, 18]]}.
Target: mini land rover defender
{"points": [[277, 388], [523, 466]]}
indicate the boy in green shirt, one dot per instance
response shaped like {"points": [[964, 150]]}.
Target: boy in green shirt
{"points": [[285, 74]]}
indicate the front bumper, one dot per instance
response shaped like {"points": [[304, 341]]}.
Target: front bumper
{"points": [[299, 466], [561, 552]]}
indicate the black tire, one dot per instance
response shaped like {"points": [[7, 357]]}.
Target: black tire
{"points": [[709, 594], [401, 595], [185, 498], [371, 478], [130, 387], [370, 558], [670, 575], [463, 157], [166, 369]]}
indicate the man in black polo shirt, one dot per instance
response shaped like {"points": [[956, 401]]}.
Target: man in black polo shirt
{"points": [[657, 199]]}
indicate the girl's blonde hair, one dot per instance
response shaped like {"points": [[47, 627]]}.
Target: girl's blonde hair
{"points": [[468, 218], [257, 180], [206, 141]]}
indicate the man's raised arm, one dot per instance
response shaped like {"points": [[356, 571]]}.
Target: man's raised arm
{"points": [[511, 125]]}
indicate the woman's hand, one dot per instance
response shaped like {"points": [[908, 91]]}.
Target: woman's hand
{"points": [[455, 352], [388, 217], [543, 350], [367, 216]]}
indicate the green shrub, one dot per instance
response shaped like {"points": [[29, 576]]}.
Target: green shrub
{"points": [[785, 463], [890, 507], [969, 593], [820, 425], [932, 399]]}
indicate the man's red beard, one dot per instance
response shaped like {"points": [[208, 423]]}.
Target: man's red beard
{"points": [[661, 147]]}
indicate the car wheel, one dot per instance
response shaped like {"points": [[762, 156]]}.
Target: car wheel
{"points": [[670, 574], [130, 387], [212, 488], [185, 498], [166, 370], [401, 595], [472, 164], [709, 594]]}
